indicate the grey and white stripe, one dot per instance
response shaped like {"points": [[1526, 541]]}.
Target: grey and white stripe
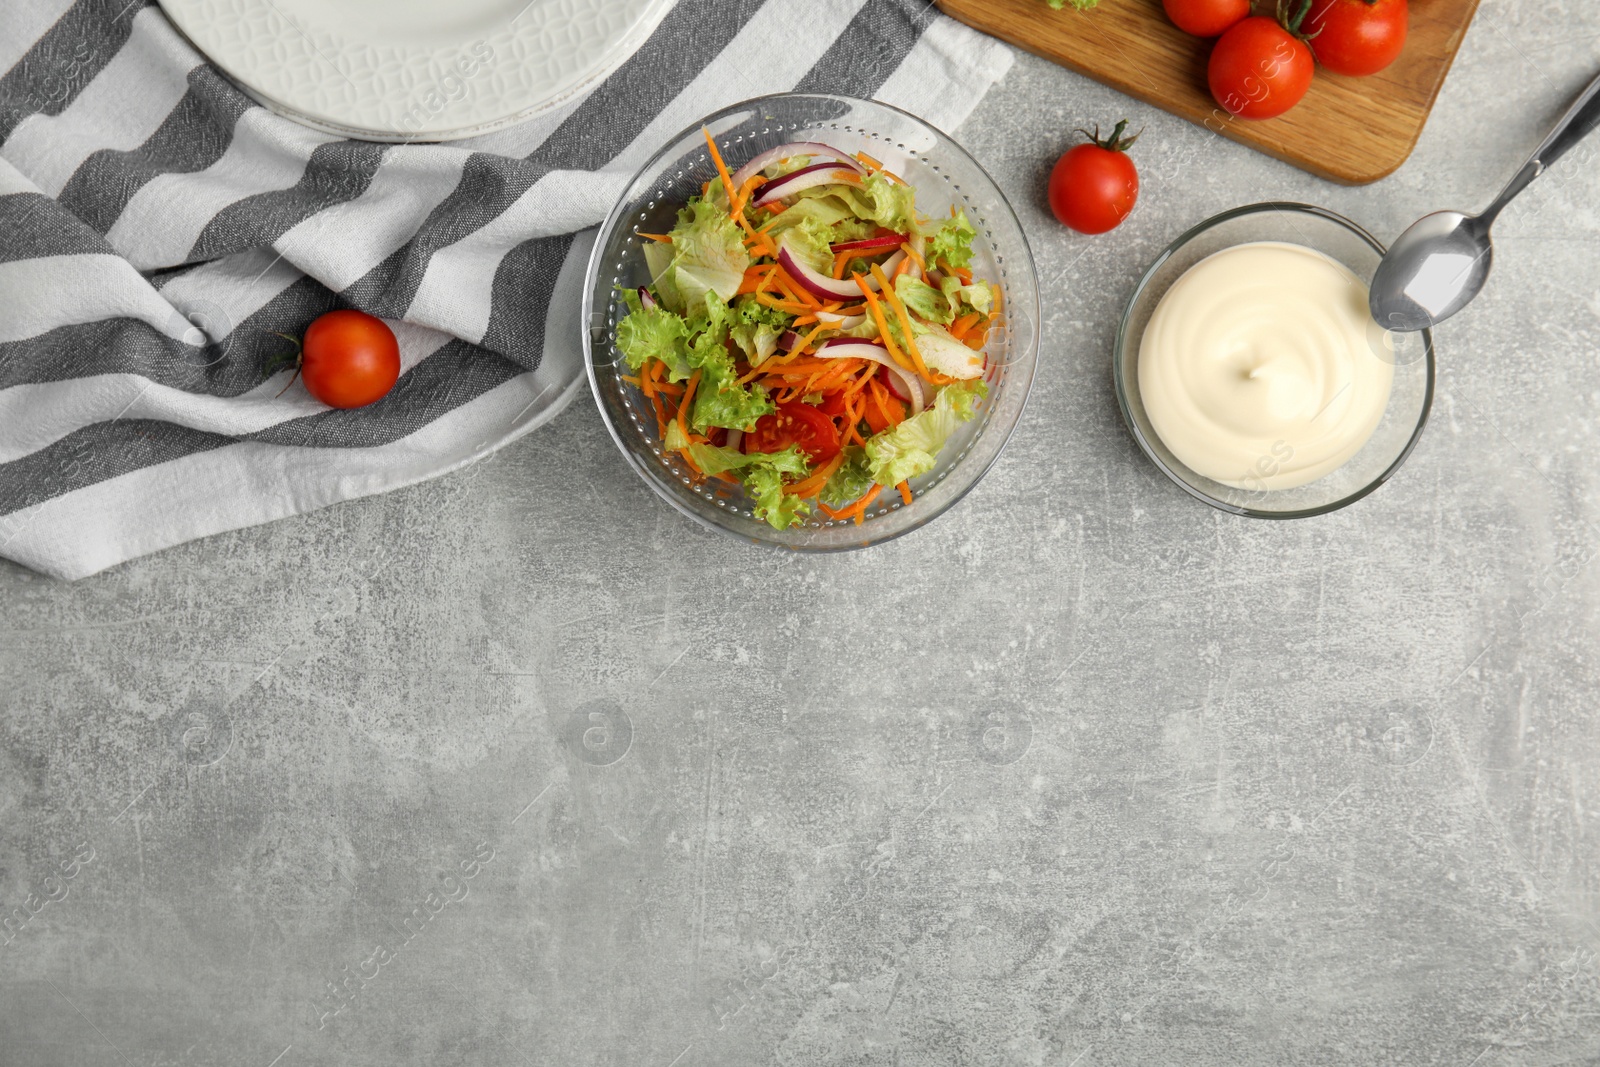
{"points": [[158, 229]]}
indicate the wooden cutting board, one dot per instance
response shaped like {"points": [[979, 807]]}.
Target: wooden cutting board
{"points": [[1350, 130]]}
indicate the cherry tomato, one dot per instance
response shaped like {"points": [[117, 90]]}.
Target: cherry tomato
{"points": [[832, 404], [1093, 186], [1205, 18], [349, 359], [1259, 69], [880, 420], [1357, 36], [795, 423]]}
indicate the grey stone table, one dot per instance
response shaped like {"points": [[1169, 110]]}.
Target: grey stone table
{"points": [[519, 767]]}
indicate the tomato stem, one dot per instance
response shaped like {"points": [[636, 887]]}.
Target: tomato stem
{"points": [[277, 361], [1116, 142], [1293, 23]]}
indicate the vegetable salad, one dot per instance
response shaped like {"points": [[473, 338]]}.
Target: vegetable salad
{"points": [[807, 334]]}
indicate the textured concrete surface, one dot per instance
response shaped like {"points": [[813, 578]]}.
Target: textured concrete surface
{"points": [[519, 767]]}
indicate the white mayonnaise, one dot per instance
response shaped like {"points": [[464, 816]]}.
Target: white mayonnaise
{"points": [[1262, 368]]}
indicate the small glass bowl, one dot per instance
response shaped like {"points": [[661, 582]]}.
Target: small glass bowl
{"points": [[945, 176], [1409, 401]]}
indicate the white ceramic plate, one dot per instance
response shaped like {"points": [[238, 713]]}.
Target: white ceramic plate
{"points": [[425, 70]]}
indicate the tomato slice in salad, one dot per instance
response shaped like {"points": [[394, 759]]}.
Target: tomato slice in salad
{"points": [[832, 404], [795, 423]]}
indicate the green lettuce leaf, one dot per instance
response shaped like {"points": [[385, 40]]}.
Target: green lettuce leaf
{"points": [[978, 296], [719, 460], [750, 310], [912, 448], [876, 200], [945, 355], [719, 399], [763, 476], [685, 345], [828, 212], [756, 340], [952, 241], [675, 440], [708, 254], [658, 257], [928, 303], [653, 333], [850, 481], [772, 506]]}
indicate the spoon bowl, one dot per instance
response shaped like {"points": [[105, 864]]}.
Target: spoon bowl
{"points": [[1441, 262], [1431, 271]]}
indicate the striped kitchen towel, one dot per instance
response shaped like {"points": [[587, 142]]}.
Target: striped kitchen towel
{"points": [[158, 227]]}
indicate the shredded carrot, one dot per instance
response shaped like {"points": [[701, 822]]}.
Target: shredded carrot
{"points": [[683, 405], [856, 510], [881, 402], [663, 238], [978, 338], [813, 484], [848, 176], [722, 168], [781, 305], [959, 328], [796, 290], [839, 262], [913, 256], [852, 416], [760, 240], [868, 162], [751, 184], [803, 320], [872, 494], [905, 492], [661, 417], [801, 367], [805, 342], [905, 324], [861, 383], [755, 278], [883, 324]]}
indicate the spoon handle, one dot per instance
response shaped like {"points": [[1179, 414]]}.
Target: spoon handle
{"points": [[1579, 121]]}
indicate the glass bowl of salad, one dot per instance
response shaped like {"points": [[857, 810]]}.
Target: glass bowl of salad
{"points": [[812, 322]]}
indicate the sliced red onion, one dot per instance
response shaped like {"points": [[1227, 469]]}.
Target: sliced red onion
{"points": [[787, 342], [818, 284], [812, 149], [823, 287], [910, 390], [645, 298], [789, 184], [893, 240], [734, 437]]}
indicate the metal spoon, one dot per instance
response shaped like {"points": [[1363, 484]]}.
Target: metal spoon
{"points": [[1436, 267]]}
